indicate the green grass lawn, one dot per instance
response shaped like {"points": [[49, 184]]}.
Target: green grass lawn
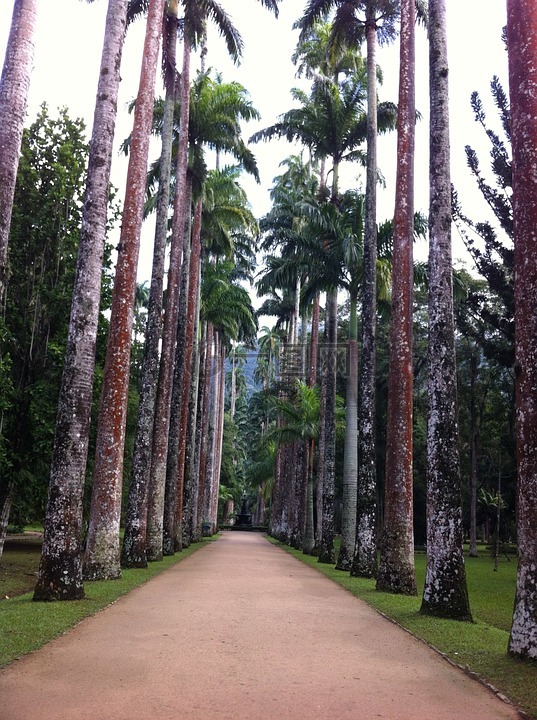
{"points": [[481, 646]]}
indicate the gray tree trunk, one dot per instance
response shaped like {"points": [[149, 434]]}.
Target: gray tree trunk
{"points": [[326, 549], [14, 88], [350, 460], [522, 49], [60, 569], [445, 593], [365, 553]]}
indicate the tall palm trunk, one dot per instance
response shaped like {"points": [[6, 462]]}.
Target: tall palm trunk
{"points": [[396, 568], [326, 549], [102, 558], [169, 333], [350, 456], [60, 570], [365, 560], [134, 544], [474, 440], [209, 485], [171, 539], [314, 342], [204, 445], [14, 88], [188, 355], [522, 48], [190, 478], [197, 513], [220, 387], [445, 593]]}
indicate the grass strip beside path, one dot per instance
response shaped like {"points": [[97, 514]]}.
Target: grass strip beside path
{"points": [[26, 625], [478, 647]]}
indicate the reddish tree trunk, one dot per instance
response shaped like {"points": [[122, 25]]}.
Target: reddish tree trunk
{"points": [[169, 333], [396, 569], [522, 48], [102, 559], [134, 544]]}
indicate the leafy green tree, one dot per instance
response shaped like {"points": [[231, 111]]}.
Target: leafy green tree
{"points": [[41, 262], [491, 245]]}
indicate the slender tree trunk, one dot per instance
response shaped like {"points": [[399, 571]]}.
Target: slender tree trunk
{"points": [[396, 568], [322, 439], [309, 532], [6, 494], [219, 430], [445, 593], [193, 283], [14, 88], [326, 549], [190, 478], [365, 560], [197, 515], [60, 569], [134, 544], [350, 456], [172, 540], [522, 49], [204, 447], [102, 557], [474, 438], [314, 342], [169, 333], [211, 438]]}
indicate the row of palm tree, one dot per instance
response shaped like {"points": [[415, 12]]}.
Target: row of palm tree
{"points": [[445, 593], [60, 575], [326, 238]]}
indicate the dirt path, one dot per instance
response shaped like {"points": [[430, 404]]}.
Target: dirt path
{"points": [[240, 630]]}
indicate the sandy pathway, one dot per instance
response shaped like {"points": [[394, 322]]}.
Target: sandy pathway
{"points": [[240, 630]]}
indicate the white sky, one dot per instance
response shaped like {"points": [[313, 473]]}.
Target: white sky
{"points": [[68, 50]]}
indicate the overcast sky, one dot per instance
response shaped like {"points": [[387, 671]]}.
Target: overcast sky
{"points": [[69, 44]]}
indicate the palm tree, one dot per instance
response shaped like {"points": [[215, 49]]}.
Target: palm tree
{"points": [[217, 109], [196, 14], [300, 421], [60, 571], [194, 28], [396, 569], [521, 17], [331, 124], [14, 87], [445, 593], [349, 29], [102, 557], [134, 544], [352, 22]]}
